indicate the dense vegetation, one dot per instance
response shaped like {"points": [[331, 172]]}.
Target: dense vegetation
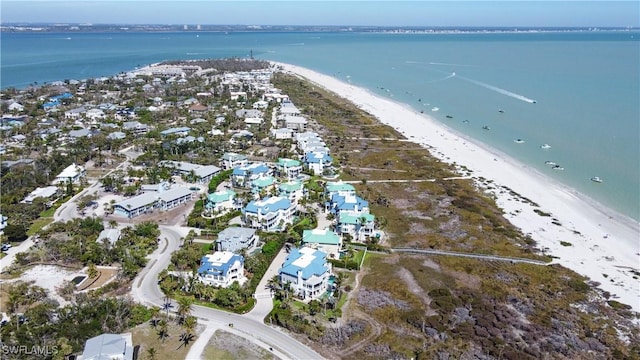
{"points": [[76, 243], [63, 331]]}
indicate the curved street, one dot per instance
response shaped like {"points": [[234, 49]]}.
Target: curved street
{"points": [[145, 290]]}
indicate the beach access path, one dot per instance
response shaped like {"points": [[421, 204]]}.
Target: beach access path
{"points": [[581, 234]]}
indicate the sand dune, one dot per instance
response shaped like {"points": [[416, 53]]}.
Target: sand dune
{"points": [[605, 245]]}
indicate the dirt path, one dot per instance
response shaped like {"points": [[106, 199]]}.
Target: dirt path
{"points": [[356, 313]]}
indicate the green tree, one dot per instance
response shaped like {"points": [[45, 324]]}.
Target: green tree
{"points": [[16, 232], [92, 271]]}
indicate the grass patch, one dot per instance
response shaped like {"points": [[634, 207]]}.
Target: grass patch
{"points": [[226, 346], [38, 224]]}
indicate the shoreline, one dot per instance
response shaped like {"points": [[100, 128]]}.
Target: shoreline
{"points": [[592, 240]]}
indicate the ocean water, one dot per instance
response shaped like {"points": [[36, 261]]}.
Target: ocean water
{"points": [[586, 85]]}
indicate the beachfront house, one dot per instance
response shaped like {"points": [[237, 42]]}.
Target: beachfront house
{"points": [[164, 198], [221, 269], [292, 190], [232, 160], [340, 188], [288, 108], [317, 162], [110, 346], [359, 227], [295, 123], [324, 240], [269, 214], [221, 202], [288, 168], [236, 239], [307, 271], [71, 174], [351, 204]]}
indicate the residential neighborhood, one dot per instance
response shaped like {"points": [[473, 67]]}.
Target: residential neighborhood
{"points": [[238, 166]]}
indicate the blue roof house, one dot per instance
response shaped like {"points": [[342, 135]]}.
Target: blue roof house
{"points": [[307, 271], [242, 176], [351, 204], [222, 269], [317, 161], [269, 214]]}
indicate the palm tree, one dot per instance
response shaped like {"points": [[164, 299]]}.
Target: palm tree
{"points": [[188, 325], [151, 353], [167, 305], [155, 311], [184, 307], [163, 330]]}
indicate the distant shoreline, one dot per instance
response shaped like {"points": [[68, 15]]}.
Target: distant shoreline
{"points": [[15, 27]]}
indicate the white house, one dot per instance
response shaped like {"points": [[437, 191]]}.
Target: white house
{"points": [[50, 193], [292, 190], [221, 202], [221, 268], [269, 214], [317, 162], [72, 173], [325, 240], [282, 133], [109, 346], [165, 198], [295, 123], [236, 239], [15, 107], [201, 173], [233, 160], [289, 168], [359, 227], [307, 271]]}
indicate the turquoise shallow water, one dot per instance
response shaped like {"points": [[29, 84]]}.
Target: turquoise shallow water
{"points": [[586, 85]]}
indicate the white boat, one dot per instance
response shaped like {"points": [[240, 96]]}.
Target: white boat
{"points": [[550, 163], [435, 109], [518, 141], [557, 167], [545, 146], [596, 179]]}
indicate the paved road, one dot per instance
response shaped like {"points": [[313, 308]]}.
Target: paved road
{"points": [[145, 290], [473, 256]]}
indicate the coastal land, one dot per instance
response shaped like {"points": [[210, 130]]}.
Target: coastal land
{"points": [[577, 232]]}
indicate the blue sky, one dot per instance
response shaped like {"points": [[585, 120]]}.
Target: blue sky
{"points": [[302, 12]]}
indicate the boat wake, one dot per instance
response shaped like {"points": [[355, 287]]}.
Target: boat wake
{"points": [[444, 78], [498, 90]]}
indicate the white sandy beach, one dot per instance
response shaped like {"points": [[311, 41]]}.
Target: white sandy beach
{"points": [[605, 245]]}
